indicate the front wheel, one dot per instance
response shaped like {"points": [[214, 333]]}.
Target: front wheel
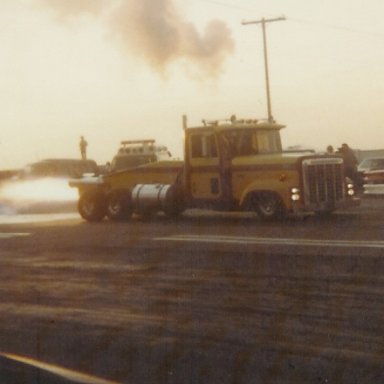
{"points": [[268, 206], [91, 206]]}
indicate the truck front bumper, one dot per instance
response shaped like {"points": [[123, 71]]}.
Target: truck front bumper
{"points": [[328, 206]]}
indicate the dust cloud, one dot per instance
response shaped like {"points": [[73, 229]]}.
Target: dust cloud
{"points": [[155, 31]]}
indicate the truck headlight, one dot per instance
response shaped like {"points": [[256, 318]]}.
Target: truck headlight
{"points": [[350, 189], [295, 194]]}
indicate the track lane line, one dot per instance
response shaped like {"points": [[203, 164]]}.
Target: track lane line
{"points": [[9, 235], [325, 243]]}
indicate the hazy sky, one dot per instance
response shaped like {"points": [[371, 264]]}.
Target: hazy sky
{"points": [[128, 69]]}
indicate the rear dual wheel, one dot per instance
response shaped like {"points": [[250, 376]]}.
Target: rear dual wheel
{"points": [[92, 206], [119, 205]]}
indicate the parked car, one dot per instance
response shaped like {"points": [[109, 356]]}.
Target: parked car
{"points": [[371, 164], [59, 168], [371, 172]]}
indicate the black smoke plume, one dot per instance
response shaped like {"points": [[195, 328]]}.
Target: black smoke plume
{"points": [[156, 31]]}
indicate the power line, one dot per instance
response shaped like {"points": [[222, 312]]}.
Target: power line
{"points": [[299, 20], [338, 27]]}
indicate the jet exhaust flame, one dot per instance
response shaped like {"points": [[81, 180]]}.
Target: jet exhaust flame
{"points": [[25, 195], [156, 31], [53, 190]]}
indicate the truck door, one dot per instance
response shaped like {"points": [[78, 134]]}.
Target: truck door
{"points": [[204, 167]]}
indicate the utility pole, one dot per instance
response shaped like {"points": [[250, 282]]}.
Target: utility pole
{"points": [[263, 22]]}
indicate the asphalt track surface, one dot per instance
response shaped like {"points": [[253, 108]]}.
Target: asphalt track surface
{"points": [[208, 298]]}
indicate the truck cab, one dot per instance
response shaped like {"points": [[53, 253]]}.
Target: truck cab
{"points": [[213, 151]]}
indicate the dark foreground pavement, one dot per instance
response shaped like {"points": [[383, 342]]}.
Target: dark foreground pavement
{"points": [[109, 300]]}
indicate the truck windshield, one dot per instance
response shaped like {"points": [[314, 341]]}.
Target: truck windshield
{"points": [[245, 142]]}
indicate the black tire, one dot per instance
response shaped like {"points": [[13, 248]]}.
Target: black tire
{"points": [[119, 205], [91, 206], [268, 206], [174, 204]]}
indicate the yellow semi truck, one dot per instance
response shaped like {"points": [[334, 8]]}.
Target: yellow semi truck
{"points": [[229, 165]]}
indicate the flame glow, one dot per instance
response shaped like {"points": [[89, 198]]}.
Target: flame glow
{"points": [[42, 190]]}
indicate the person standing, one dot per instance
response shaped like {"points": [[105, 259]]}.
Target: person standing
{"points": [[350, 162], [83, 148]]}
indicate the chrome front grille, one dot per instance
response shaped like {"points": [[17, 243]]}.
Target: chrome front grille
{"points": [[323, 180]]}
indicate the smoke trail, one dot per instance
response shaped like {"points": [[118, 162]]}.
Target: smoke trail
{"points": [[155, 31]]}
